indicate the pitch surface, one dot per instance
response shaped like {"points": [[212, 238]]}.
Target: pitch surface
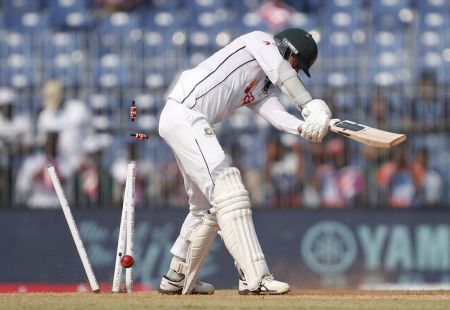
{"points": [[227, 299]]}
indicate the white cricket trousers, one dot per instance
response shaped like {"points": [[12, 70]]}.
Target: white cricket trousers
{"points": [[200, 158]]}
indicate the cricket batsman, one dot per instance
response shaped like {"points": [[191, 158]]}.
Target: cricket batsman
{"points": [[247, 72]]}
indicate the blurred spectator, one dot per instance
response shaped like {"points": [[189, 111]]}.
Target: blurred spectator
{"points": [[314, 158], [283, 176], [34, 187], [252, 176], [118, 5], [276, 14], [94, 183], [379, 112], [15, 130], [372, 157], [71, 118], [429, 123], [383, 177], [401, 184], [428, 182], [16, 138], [395, 180], [273, 154], [340, 185], [429, 110]]}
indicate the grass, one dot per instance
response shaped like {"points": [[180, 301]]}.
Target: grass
{"points": [[226, 299]]}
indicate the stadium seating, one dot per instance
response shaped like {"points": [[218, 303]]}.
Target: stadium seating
{"points": [[69, 14], [187, 31]]}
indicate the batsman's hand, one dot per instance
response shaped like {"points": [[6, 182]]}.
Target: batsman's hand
{"points": [[317, 117]]}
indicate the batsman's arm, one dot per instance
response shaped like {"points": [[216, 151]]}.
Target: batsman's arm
{"points": [[274, 112]]}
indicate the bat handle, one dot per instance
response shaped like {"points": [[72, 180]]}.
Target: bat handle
{"points": [[334, 121]]}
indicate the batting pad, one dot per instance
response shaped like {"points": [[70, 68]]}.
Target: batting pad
{"points": [[201, 240], [238, 232]]}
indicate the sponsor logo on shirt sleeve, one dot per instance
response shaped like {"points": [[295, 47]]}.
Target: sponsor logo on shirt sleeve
{"points": [[266, 42]]}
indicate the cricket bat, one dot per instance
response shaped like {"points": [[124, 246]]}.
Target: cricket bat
{"points": [[367, 135]]}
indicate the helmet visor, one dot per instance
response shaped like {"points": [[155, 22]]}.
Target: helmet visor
{"points": [[301, 64], [298, 57]]}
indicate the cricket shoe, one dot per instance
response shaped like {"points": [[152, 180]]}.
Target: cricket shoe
{"points": [[172, 287], [268, 286]]}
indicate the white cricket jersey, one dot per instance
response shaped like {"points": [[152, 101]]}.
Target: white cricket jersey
{"points": [[232, 77]]}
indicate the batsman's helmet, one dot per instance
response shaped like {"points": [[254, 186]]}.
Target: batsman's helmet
{"points": [[300, 44]]}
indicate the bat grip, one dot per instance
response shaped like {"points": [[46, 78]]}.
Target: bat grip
{"points": [[333, 121]]}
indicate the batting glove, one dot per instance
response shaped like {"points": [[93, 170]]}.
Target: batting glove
{"points": [[317, 117]]}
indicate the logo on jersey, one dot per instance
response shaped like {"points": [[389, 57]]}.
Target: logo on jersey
{"points": [[209, 132], [268, 43], [267, 84], [249, 97]]}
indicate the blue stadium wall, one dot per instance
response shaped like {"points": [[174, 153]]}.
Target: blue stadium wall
{"points": [[308, 249]]}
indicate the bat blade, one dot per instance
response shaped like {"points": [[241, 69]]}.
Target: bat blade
{"points": [[367, 135]]}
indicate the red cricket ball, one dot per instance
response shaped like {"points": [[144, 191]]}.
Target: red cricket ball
{"points": [[127, 261]]}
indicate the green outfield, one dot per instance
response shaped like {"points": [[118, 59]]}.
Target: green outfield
{"points": [[226, 299]]}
